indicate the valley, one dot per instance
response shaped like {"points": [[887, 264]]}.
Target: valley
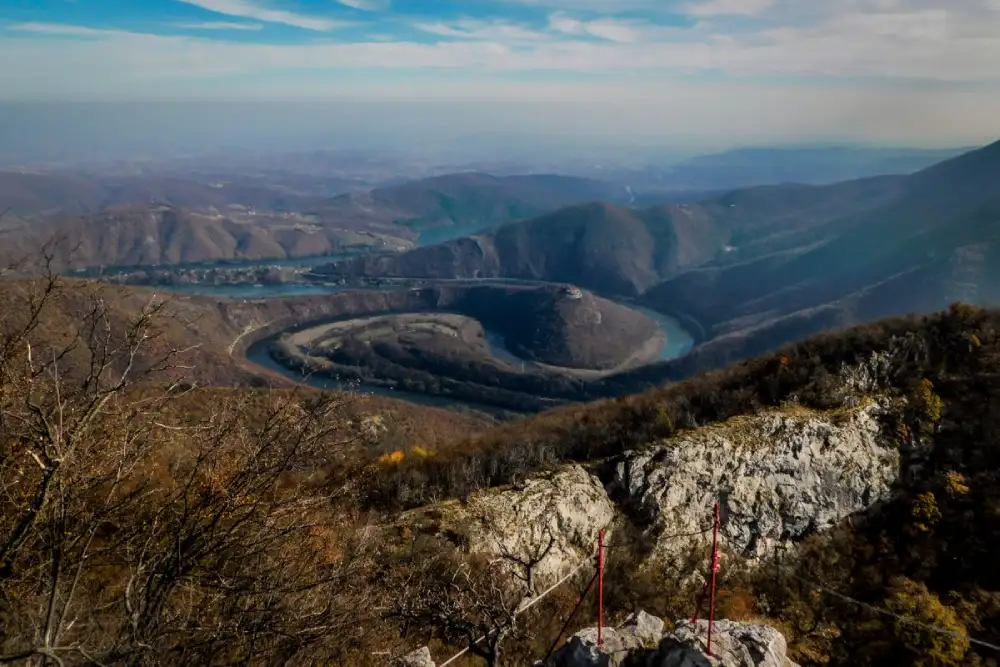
{"points": [[726, 278], [502, 333], [453, 418], [821, 454], [556, 350]]}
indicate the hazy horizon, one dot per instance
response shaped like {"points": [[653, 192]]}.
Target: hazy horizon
{"points": [[76, 132], [688, 76]]}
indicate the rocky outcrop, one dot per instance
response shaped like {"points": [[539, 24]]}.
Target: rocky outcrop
{"points": [[617, 649], [778, 476], [419, 658], [733, 645], [646, 627], [556, 516]]}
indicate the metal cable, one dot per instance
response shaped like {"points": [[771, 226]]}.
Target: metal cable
{"points": [[572, 615], [523, 609]]}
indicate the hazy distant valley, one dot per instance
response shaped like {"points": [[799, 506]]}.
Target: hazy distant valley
{"points": [[499, 333], [725, 275]]}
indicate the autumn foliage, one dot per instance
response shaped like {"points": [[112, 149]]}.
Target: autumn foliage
{"points": [[147, 521]]}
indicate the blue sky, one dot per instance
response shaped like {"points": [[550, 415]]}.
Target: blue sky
{"points": [[807, 66]]}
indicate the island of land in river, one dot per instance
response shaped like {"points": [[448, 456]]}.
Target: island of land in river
{"points": [[541, 344], [520, 347]]}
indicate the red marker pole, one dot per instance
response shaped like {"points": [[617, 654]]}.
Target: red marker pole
{"points": [[600, 588], [715, 569]]}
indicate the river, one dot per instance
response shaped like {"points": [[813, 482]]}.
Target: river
{"points": [[678, 340]]}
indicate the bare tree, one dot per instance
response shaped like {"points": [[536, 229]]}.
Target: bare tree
{"points": [[522, 556], [471, 602], [134, 533]]}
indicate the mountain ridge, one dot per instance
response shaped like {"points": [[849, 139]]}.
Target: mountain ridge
{"points": [[754, 267]]}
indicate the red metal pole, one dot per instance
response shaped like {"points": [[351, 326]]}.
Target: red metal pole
{"points": [[600, 588], [715, 569]]}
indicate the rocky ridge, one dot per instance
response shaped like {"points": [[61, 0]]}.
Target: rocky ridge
{"points": [[642, 643], [778, 476], [557, 515]]}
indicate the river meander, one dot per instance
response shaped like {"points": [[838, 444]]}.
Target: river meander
{"points": [[678, 340]]}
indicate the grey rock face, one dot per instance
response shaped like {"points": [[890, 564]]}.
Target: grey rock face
{"points": [[568, 508], [778, 476], [419, 658], [733, 645], [647, 628], [582, 650]]}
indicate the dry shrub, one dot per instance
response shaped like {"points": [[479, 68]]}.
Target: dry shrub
{"points": [[133, 533]]}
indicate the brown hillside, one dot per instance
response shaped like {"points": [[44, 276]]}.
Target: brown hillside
{"points": [[598, 246], [470, 197], [194, 340], [144, 235], [934, 242]]}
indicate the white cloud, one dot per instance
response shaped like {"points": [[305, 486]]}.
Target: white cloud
{"points": [[366, 5], [913, 45], [885, 54], [472, 29], [711, 8], [562, 23], [59, 29], [219, 25], [599, 6], [615, 31], [641, 101], [610, 29], [253, 10], [896, 46]]}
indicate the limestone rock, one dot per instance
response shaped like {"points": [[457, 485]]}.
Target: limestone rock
{"points": [[419, 658], [582, 650], [733, 645], [568, 507], [647, 628], [778, 476]]}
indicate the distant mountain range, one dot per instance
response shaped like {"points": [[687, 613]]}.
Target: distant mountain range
{"points": [[758, 266], [469, 198], [911, 245], [47, 194], [132, 235], [128, 221], [770, 166], [116, 216], [749, 167]]}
